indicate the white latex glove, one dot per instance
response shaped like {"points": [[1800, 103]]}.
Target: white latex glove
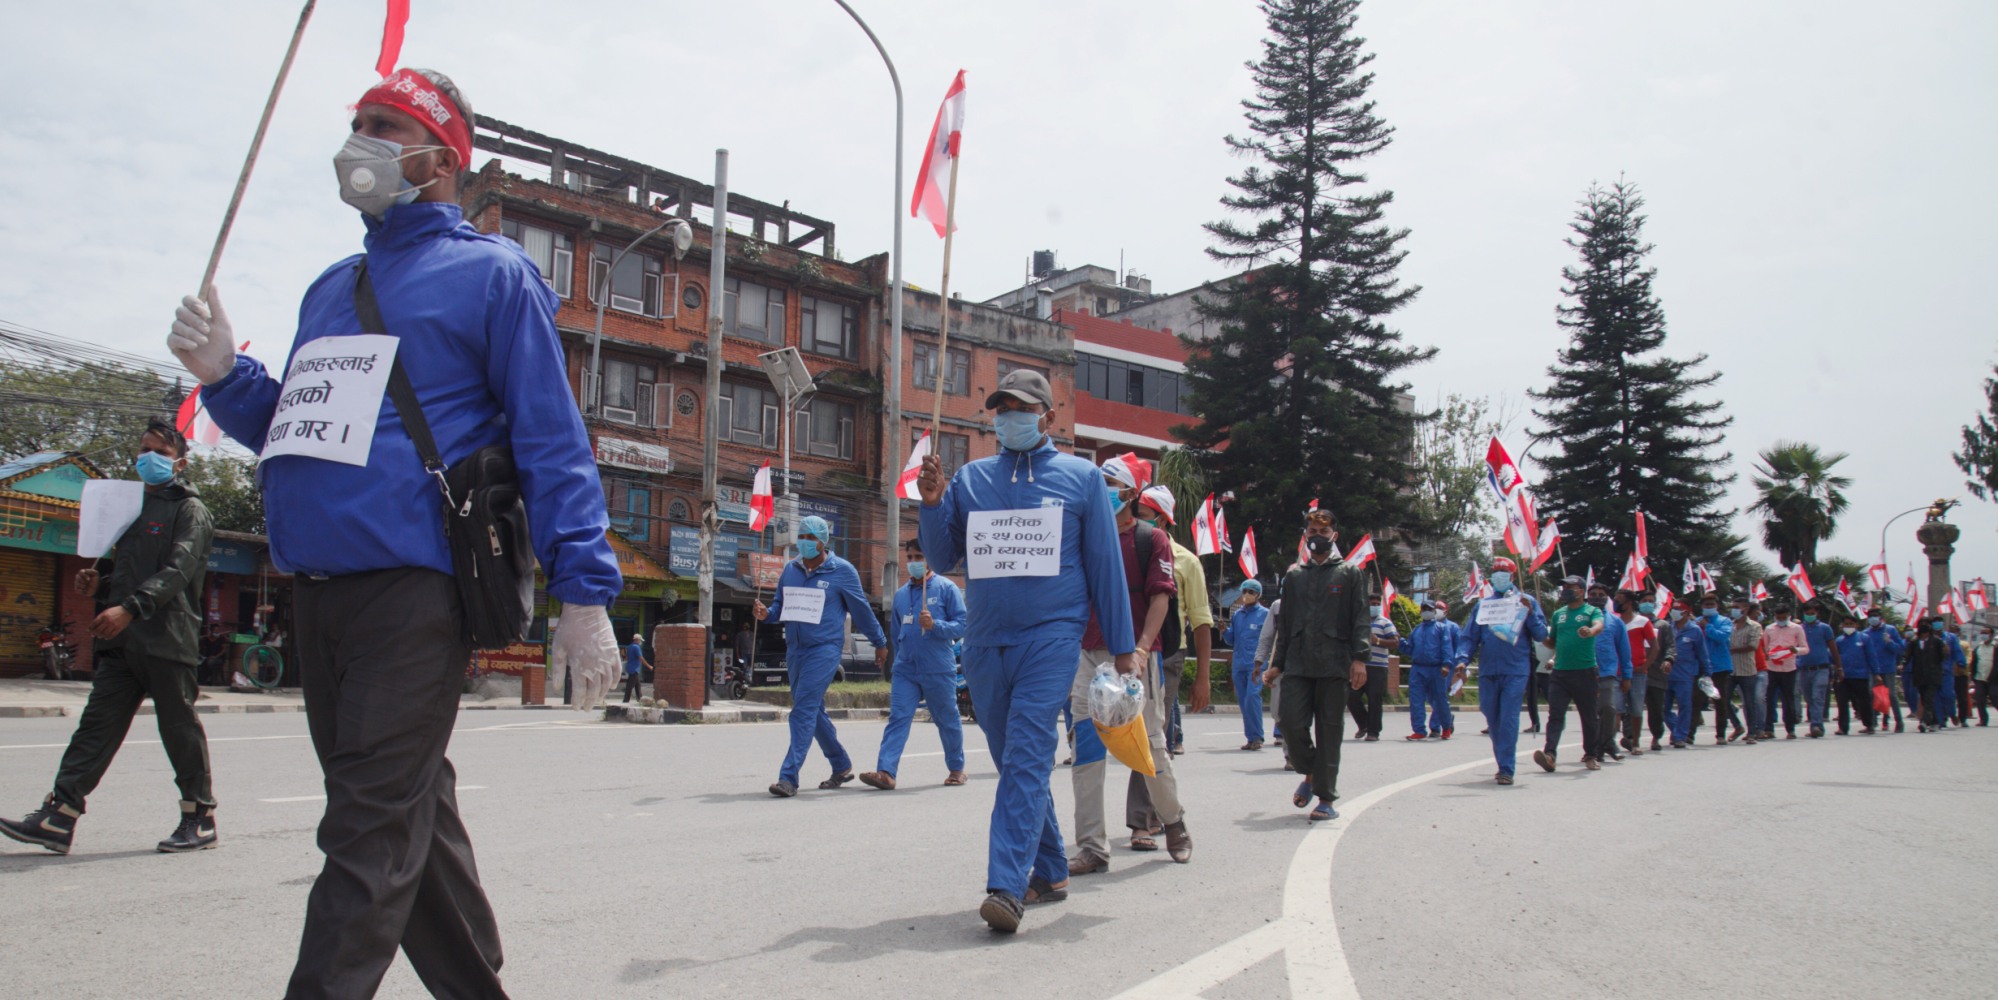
{"points": [[584, 641], [202, 338]]}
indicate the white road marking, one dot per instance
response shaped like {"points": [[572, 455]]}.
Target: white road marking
{"points": [[1308, 932], [322, 798]]}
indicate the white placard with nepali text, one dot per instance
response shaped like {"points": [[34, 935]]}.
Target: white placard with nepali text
{"points": [[108, 507], [803, 605], [331, 398], [1499, 610], [1013, 543]]}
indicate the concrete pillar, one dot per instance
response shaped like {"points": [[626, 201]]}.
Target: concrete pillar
{"points": [[680, 665], [1938, 540]]}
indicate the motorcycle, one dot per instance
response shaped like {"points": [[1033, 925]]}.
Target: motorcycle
{"points": [[57, 652], [735, 681]]}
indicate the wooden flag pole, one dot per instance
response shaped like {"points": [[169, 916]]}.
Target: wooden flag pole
{"points": [[256, 144], [943, 350]]}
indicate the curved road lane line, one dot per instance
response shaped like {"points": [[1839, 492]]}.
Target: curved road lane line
{"points": [[1308, 932]]}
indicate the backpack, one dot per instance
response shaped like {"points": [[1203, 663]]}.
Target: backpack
{"points": [[1170, 635]]}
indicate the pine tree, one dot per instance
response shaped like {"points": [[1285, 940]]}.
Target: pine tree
{"points": [[1979, 457], [1300, 383], [1624, 427]]}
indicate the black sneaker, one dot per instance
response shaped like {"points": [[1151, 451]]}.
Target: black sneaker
{"points": [[1002, 911], [196, 831], [52, 826]]}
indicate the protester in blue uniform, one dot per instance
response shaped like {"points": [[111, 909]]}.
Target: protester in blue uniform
{"points": [[1690, 661], [1814, 670], [816, 594], [1855, 685], [1946, 701], [1024, 634], [1500, 636], [1613, 672], [1243, 635], [1436, 651], [357, 519], [929, 619], [1720, 667], [1885, 646]]}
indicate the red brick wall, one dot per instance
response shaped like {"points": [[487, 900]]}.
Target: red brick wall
{"points": [[680, 665]]}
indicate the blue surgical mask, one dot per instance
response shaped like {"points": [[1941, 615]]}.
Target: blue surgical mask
{"points": [[1872, 622], [808, 548], [1734, 613], [1429, 616], [918, 569], [1116, 498], [1501, 582], [1018, 430], [1646, 608], [1710, 613], [154, 468]]}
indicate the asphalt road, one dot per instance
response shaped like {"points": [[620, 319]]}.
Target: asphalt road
{"points": [[648, 861]]}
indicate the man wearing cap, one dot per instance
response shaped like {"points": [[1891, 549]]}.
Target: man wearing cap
{"points": [[1574, 627], [1614, 668], [1243, 637], [1501, 632], [1023, 634], [816, 594], [1321, 655], [379, 640], [1435, 648], [1156, 506], [928, 621], [1745, 646], [1816, 666]]}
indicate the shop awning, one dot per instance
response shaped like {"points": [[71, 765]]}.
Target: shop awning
{"points": [[635, 565]]}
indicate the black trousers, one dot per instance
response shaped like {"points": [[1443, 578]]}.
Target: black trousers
{"points": [[1313, 730], [1930, 703], [382, 665], [1724, 713], [1983, 702], [1365, 703], [121, 681], [1536, 683], [1855, 693], [1783, 698], [633, 687], [1962, 701], [1656, 703], [1578, 686]]}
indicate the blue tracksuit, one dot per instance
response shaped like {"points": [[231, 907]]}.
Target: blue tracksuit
{"points": [[1719, 629], [1855, 655], [1689, 662], [1505, 664], [1613, 649], [1245, 629], [925, 669], [477, 335], [1022, 647], [1434, 650], [1887, 645], [1946, 693], [813, 650], [1814, 677]]}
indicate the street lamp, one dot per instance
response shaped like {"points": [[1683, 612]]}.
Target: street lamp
{"points": [[793, 381], [1889, 524], [683, 237]]}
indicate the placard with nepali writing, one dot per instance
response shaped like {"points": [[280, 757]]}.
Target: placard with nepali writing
{"points": [[1013, 543], [331, 398]]}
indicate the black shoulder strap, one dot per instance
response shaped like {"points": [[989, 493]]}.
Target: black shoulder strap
{"points": [[400, 391], [1144, 549]]}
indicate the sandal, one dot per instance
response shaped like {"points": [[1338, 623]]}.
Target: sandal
{"points": [[783, 789], [1301, 797], [1143, 842], [1324, 812], [957, 778], [1040, 890], [836, 780], [877, 779]]}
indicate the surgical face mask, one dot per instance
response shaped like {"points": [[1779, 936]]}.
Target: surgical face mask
{"points": [[154, 468], [1646, 608], [1872, 621], [1116, 498], [1018, 430], [1501, 582], [1849, 629], [1810, 619], [1710, 613], [1734, 613], [1678, 614], [918, 569], [808, 548], [1429, 616], [1318, 545], [370, 173]]}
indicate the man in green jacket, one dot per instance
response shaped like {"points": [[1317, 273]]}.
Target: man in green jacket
{"points": [[1321, 651], [147, 646]]}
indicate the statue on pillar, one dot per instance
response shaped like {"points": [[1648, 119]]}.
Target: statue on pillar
{"points": [[1938, 538]]}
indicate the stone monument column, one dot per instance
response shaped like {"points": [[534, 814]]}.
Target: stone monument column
{"points": [[1938, 538]]}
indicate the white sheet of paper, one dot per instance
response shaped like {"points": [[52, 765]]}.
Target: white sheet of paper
{"points": [[1456, 688], [109, 506], [1013, 543], [804, 605], [1498, 610], [331, 399]]}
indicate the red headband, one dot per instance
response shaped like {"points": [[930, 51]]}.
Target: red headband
{"points": [[408, 91]]}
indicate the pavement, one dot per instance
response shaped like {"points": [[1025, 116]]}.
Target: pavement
{"points": [[630, 860], [34, 697]]}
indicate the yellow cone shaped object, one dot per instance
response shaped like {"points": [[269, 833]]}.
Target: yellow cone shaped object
{"points": [[1128, 743]]}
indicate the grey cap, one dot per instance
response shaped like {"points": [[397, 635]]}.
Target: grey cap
{"points": [[1024, 385]]}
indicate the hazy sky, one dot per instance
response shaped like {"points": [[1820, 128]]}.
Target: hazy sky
{"points": [[1818, 174]]}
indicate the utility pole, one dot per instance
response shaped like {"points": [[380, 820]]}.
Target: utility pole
{"points": [[710, 511]]}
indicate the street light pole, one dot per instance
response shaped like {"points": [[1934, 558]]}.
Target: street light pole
{"points": [[892, 404], [1889, 524], [594, 396]]}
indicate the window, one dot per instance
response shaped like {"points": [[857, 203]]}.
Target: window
{"points": [[679, 511], [952, 450], [829, 328], [923, 359], [1008, 367], [552, 252], [824, 428], [1138, 385], [691, 298], [753, 312], [630, 508], [748, 415], [633, 394], [637, 287]]}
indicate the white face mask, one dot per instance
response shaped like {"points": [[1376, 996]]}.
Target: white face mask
{"points": [[370, 174]]}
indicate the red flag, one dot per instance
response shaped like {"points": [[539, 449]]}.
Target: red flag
{"points": [[1589, 582], [1221, 528], [1662, 598], [1845, 592], [398, 18], [193, 421], [1975, 597], [1757, 592], [1800, 583], [1248, 557], [1706, 578], [1876, 574], [1203, 529], [940, 158], [1946, 606], [1549, 541], [1387, 597], [1633, 574], [906, 487], [1643, 546], [1474, 589], [1362, 553], [761, 504]]}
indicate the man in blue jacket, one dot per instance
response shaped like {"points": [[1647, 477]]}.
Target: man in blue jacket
{"points": [[929, 619], [1815, 667], [816, 594], [1690, 661], [1436, 651], [1613, 672], [359, 522], [1855, 686], [1244, 632], [1031, 595], [1948, 707], [1720, 666], [1501, 629], [1885, 646]]}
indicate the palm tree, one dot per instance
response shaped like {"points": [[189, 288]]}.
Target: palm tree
{"points": [[1799, 499]]}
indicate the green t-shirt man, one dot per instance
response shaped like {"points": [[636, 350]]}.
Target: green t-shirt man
{"points": [[1572, 649]]}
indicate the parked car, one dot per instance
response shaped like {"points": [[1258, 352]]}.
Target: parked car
{"points": [[856, 661]]}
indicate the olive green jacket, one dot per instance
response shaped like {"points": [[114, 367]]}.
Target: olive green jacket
{"points": [[161, 561], [1327, 622]]}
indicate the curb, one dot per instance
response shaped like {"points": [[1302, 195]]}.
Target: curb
{"points": [[57, 711]]}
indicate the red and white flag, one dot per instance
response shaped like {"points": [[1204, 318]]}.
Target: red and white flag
{"points": [[1915, 609], [1975, 596], [1662, 598], [1362, 553], [1876, 574], [1589, 582], [1475, 588], [1643, 545], [1706, 579], [940, 158], [392, 27], [193, 421], [1688, 581], [1203, 529], [1757, 592], [1845, 592], [1515, 500], [1633, 573], [1549, 541], [1387, 597], [1302, 553], [762, 505], [1946, 606], [1250, 570], [1800, 583], [1221, 528], [906, 487]]}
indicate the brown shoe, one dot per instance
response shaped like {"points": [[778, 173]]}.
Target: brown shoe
{"points": [[957, 778], [1086, 863], [1179, 843], [878, 779], [1592, 764]]}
